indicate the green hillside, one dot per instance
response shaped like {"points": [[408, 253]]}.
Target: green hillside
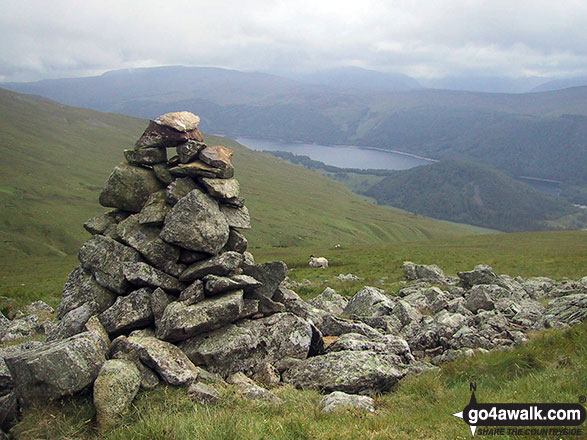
{"points": [[57, 158], [470, 193]]}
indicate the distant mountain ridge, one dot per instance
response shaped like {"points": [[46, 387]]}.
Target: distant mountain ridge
{"points": [[541, 135]]}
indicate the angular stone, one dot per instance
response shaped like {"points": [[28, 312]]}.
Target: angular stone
{"points": [[406, 313], [217, 156], [482, 274], [479, 299], [197, 168], [269, 274], [222, 265], [57, 369], [236, 242], [389, 344], [122, 350], [81, 288], [146, 240], [146, 156], [196, 223], [247, 345], [141, 274], [179, 188], [155, 209], [193, 293], [181, 321], [166, 359], [203, 394], [369, 301], [20, 328], [115, 388], [235, 202], [104, 258], [189, 257], [267, 375], [183, 121], [566, 310], [128, 312], [330, 301], [162, 173], [269, 307], [215, 284], [236, 217], [221, 188], [339, 400], [354, 372], [250, 390], [189, 151], [129, 187], [72, 323], [431, 273], [101, 223], [157, 135]]}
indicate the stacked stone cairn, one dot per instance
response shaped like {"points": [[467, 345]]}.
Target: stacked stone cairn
{"points": [[166, 293]]}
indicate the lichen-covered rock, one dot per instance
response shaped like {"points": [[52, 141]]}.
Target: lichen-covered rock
{"points": [[181, 321], [482, 274], [203, 394], [178, 189], [129, 187], [81, 288], [115, 388], [192, 293], [566, 310], [221, 188], [154, 210], [57, 369], [236, 242], [479, 299], [369, 301], [164, 136], [162, 173], [218, 156], [146, 156], [382, 344], [197, 168], [431, 273], [141, 274], [247, 345], [188, 151], [196, 223], [223, 264], [100, 224], [354, 372], [339, 400], [72, 323], [270, 275], [104, 258], [250, 390], [330, 301], [128, 312], [215, 284], [236, 217], [20, 328]]}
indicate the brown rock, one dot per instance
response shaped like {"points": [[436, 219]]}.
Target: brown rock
{"points": [[217, 156]]}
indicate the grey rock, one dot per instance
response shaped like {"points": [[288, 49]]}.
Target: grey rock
{"points": [[8, 413], [81, 288], [249, 258], [196, 168], [196, 223], [347, 277], [190, 257], [115, 388], [380, 344], [479, 299], [158, 135], [538, 287], [215, 284], [122, 350], [159, 302], [20, 328], [248, 345], [178, 189], [129, 187], [566, 311], [269, 274], [146, 240], [250, 309], [180, 121], [166, 359], [193, 293], [250, 390], [369, 301], [162, 173], [188, 151], [236, 242], [339, 400], [222, 265], [431, 273], [236, 217], [269, 307], [100, 223], [72, 323], [218, 156], [405, 313], [330, 301], [355, 372], [141, 274], [203, 394], [146, 156], [104, 258], [221, 188], [155, 209], [128, 312], [482, 274], [565, 288], [57, 369], [267, 375], [181, 321]]}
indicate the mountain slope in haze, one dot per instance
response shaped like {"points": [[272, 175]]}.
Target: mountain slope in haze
{"points": [[559, 84], [541, 135], [470, 193], [56, 159]]}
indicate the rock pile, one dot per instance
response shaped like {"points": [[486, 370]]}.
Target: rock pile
{"points": [[166, 293]]}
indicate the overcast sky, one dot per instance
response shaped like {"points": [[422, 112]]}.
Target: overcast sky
{"points": [[421, 38]]}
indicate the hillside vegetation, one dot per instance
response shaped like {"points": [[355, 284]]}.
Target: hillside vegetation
{"points": [[470, 193], [533, 134], [56, 159]]}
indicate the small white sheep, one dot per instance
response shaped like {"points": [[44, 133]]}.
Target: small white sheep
{"points": [[318, 262]]}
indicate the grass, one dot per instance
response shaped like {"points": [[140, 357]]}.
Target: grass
{"points": [[550, 368]]}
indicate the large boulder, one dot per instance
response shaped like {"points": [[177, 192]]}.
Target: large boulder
{"points": [[57, 369], [181, 321], [104, 258], [81, 289], [369, 301], [129, 187], [115, 388], [354, 372], [196, 223], [247, 345]]}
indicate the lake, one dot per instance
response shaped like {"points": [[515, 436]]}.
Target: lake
{"points": [[342, 156]]}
